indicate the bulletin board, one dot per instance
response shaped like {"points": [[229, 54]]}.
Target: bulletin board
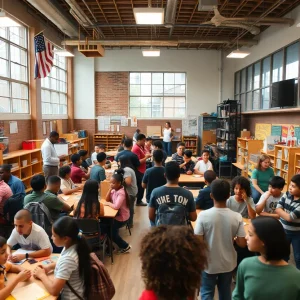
{"points": [[262, 131], [153, 131]]}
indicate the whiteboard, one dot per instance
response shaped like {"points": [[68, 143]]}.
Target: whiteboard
{"points": [[61, 149]]}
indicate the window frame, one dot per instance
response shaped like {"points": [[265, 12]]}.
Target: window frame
{"points": [[162, 95]]}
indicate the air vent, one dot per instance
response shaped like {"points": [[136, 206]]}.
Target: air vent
{"points": [[207, 5], [91, 50]]}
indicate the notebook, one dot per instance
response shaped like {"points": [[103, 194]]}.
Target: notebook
{"points": [[32, 292]]}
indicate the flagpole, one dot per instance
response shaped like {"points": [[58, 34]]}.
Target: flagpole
{"points": [[39, 32]]}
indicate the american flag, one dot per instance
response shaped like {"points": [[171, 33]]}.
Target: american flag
{"points": [[43, 56]]}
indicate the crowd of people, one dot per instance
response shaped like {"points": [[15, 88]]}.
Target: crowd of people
{"points": [[175, 255]]}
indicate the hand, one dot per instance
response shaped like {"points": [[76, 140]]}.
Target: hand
{"points": [[148, 155], [267, 195], [189, 173], [47, 268], [244, 196], [17, 257], [9, 258], [38, 272], [24, 275], [61, 156]]}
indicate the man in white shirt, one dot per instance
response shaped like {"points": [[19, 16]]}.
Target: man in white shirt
{"points": [[29, 236], [50, 158]]}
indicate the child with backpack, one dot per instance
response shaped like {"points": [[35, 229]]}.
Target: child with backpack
{"points": [[5, 267], [117, 198], [171, 204]]}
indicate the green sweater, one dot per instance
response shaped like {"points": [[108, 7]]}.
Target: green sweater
{"points": [[258, 281]]}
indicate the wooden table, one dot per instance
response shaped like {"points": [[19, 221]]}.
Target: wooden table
{"points": [[191, 180], [245, 220], [26, 265]]}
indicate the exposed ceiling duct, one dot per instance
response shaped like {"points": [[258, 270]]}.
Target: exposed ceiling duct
{"points": [[207, 5], [51, 12], [170, 13]]}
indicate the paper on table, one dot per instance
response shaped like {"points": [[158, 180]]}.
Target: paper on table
{"points": [[65, 197], [32, 292], [245, 223], [22, 251]]}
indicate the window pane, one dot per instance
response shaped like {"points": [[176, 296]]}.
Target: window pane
{"points": [[179, 78], [62, 98], [237, 82], [146, 90], [292, 61], [3, 32], [180, 112], [62, 75], [46, 109], [179, 90], [45, 82], [249, 78], [157, 90], [157, 107], [135, 102], [266, 71], [62, 87], [243, 81], [169, 89], [277, 66], [19, 91], [145, 78], [249, 101], [17, 35], [257, 75], [4, 88], [54, 98], [18, 55], [20, 106], [18, 72], [3, 68], [55, 109], [168, 102], [135, 90], [3, 50], [45, 96], [265, 98], [157, 78], [180, 102], [243, 102], [63, 109], [135, 78], [168, 112], [169, 78], [135, 112], [54, 72], [145, 112], [256, 104], [5, 105], [146, 102], [53, 84]]}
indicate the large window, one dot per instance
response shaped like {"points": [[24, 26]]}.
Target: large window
{"points": [[14, 94], [54, 88], [157, 95], [253, 84]]}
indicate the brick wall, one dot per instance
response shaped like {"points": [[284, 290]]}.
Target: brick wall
{"points": [[16, 139], [88, 125]]}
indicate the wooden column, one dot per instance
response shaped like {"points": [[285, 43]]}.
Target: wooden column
{"points": [[35, 92], [1, 157], [70, 91]]}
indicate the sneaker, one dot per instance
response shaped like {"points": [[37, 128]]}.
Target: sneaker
{"points": [[141, 204], [126, 250]]}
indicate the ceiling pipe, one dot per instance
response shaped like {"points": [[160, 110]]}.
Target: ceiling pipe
{"points": [[51, 12], [170, 15]]}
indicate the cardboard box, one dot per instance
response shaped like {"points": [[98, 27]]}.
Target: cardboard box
{"points": [[245, 134]]}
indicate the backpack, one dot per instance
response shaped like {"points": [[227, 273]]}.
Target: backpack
{"points": [[12, 205], [101, 286], [171, 214], [40, 214]]}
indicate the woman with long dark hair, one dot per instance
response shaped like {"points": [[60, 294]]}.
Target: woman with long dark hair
{"points": [[267, 276], [167, 138], [89, 205], [72, 271]]}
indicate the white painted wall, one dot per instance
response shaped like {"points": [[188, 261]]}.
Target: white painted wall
{"points": [[270, 41], [202, 68], [84, 86]]}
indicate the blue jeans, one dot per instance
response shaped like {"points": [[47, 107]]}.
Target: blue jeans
{"points": [[293, 238], [168, 148], [255, 194], [223, 282]]}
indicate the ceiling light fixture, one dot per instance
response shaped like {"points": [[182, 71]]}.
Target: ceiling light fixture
{"points": [[7, 21], [151, 52], [63, 52], [149, 15], [238, 54]]}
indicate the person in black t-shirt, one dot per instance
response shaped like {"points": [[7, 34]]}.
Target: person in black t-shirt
{"points": [[188, 166], [130, 155], [157, 145], [154, 177]]}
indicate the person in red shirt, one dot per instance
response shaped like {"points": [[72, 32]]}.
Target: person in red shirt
{"points": [[76, 172], [183, 257], [140, 151]]}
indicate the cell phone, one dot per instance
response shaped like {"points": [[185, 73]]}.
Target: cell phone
{"points": [[32, 261]]}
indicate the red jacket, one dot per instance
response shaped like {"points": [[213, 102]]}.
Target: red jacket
{"points": [[140, 152]]}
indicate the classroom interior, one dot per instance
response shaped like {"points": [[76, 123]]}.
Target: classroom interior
{"points": [[107, 88]]}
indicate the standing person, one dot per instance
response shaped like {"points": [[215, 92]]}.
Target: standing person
{"points": [[16, 185], [181, 272], [219, 226], [139, 150], [167, 138], [288, 209], [148, 145], [128, 153], [50, 158], [266, 236], [260, 177], [136, 133], [130, 184], [157, 145]]}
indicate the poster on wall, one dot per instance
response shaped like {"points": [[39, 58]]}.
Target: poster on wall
{"points": [[133, 121], [124, 121], [103, 123], [190, 125], [13, 127]]}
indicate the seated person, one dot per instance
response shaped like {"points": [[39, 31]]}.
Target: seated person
{"points": [[268, 201], [242, 201], [5, 193], [16, 185], [84, 156], [204, 200], [178, 156], [188, 166], [98, 149], [29, 236], [67, 186], [203, 165], [50, 200], [98, 172], [157, 145], [76, 173], [5, 267]]}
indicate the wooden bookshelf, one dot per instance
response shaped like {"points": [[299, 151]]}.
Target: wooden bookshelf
{"points": [[111, 141], [246, 148], [297, 163], [191, 143]]}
